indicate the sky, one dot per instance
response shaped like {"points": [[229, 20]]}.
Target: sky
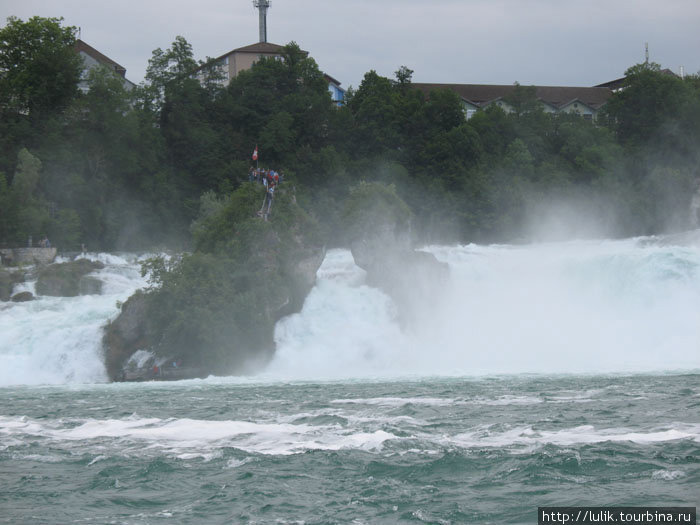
{"points": [[540, 42]]}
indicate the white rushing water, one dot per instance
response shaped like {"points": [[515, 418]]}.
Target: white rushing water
{"points": [[58, 339], [595, 306], [577, 307]]}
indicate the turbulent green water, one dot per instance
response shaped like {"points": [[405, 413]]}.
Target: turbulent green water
{"points": [[458, 450]]}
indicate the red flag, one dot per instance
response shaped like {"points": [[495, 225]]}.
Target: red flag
{"points": [[255, 153]]}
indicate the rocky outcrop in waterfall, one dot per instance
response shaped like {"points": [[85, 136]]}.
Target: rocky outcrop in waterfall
{"points": [[379, 230], [69, 279], [214, 311], [412, 278]]}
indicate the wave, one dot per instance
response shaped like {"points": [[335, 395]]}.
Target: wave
{"points": [[188, 438], [585, 434], [185, 437]]}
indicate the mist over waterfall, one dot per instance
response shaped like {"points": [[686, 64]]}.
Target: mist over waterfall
{"points": [[578, 307]]}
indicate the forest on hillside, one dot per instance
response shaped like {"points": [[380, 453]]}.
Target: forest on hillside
{"points": [[132, 170]]}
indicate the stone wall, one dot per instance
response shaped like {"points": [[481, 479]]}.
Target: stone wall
{"points": [[27, 255]]}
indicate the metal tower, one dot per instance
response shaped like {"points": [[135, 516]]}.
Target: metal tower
{"points": [[262, 5]]}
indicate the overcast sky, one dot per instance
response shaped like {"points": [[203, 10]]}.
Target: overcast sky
{"points": [[543, 42]]}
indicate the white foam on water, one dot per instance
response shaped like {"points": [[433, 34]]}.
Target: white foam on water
{"points": [[235, 463], [39, 458], [108, 258], [189, 438], [526, 436], [507, 400], [97, 459], [397, 401], [667, 475], [431, 401]]}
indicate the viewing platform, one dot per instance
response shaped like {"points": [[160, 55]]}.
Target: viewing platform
{"points": [[15, 256]]}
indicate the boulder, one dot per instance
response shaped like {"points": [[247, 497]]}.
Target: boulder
{"points": [[126, 334], [89, 285], [64, 279], [22, 297], [8, 280]]}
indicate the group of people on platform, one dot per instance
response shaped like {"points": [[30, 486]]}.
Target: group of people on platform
{"points": [[267, 177], [43, 243], [270, 179]]}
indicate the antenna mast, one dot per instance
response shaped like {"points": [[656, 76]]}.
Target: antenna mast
{"points": [[646, 52], [262, 5]]}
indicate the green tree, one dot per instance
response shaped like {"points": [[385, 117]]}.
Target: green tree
{"points": [[27, 214], [173, 65], [40, 68], [372, 105], [523, 99], [656, 106]]}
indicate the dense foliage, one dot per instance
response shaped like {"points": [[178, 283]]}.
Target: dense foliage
{"points": [[119, 169], [215, 309]]}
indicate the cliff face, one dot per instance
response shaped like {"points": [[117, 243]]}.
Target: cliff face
{"points": [[126, 334], [214, 312], [412, 278], [379, 225]]}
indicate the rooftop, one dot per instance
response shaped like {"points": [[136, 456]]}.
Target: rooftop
{"points": [[104, 59], [481, 94]]}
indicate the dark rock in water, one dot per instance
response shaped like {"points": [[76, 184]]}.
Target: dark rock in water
{"points": [[89, 285], [6, 285], [412, 278], [8, 279], [67, 279], [126, 334], [22, 297], [378, 223]]}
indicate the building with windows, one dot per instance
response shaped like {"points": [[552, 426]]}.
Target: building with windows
{"points": [[92, 58], [584, 101], [242, 58], [337, 93], [232, 63]]}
